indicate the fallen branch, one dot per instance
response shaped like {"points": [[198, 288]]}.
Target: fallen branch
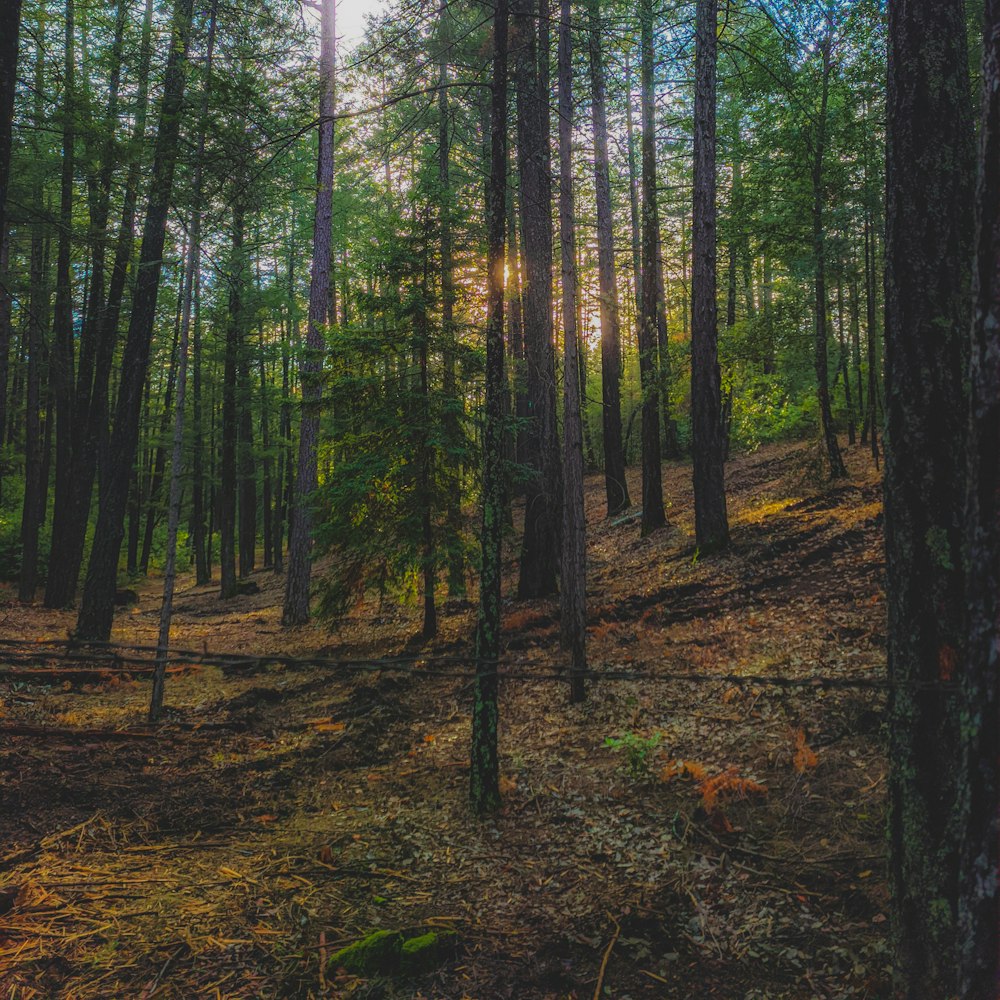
{"points": [[607, 955]]}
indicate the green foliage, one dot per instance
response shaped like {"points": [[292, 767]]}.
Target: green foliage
{"points": [[638, 751]]}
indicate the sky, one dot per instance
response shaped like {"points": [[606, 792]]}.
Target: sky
{"points": [[351, 19]]}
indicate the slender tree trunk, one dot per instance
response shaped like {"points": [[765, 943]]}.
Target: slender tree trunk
{"points": [[97, 609], [822, 324], [634, 183], [653, 515], [979, 893], [33, 509], [843, 348], [664, 369], [616, 488], [707, 441], [10, 26], [246, 465], [574, 539], [484, 773], [62, 359], [230, 420], [296, 609], [543, 494], [455, 401], [929, 239]]}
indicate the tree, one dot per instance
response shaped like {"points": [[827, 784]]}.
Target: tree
{"points": [[543, 493], [10, 27], [296, 609], [979, 893], [484, 772], [707, 445], [97, 609], [929, 171], [653, 515], [616, 487], [574, 541]]}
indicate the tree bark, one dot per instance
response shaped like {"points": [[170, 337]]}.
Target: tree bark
{"points": [[484, 773], [979, 894], [543, 493], [97, 609], [929, 238], [296, 608], [573, 594], [711, 522], [653, 515], [615, 485], [10, 27]]}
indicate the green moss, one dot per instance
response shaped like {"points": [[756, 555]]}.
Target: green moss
{"points": [[375, 955], [424, 953]]}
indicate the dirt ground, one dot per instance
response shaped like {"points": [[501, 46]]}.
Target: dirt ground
{"points": [[283, 813]]}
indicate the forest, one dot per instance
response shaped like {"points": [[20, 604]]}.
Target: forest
{"points": [[500, 499]]}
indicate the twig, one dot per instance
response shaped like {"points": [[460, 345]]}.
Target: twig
{"points": [[607, 955]]}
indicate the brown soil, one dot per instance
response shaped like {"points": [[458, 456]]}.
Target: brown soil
{"points": [[283, 813]]}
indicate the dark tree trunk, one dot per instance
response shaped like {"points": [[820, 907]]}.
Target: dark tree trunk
{"points": [[634, 182], [543, 493], [664, 368], [10, 27], [97, 609], [455, 401], [929, 184], [616, 488], [62, 357], [296, 608], [247, 468], [230, 419], [979, 894], [822, 323], [707, 442], [653, 515], [33, 509], [573, 593], [845, 373], [484, 772]]}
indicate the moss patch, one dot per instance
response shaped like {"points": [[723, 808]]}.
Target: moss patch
{"points": [[375, 955], [424, 953]]}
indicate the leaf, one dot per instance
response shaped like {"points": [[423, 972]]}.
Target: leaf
{"points": [[805, 758], [507, 785]]}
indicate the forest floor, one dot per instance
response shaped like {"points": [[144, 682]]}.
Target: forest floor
{"points": [[284, 813]]}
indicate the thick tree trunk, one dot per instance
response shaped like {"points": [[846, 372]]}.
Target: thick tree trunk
{"points": [[97, 609], [929, 183], [484, 773], [653, 515], [616, 488], [979, 893], [711, 523], [573, 593], [296, 608], [543, 493]]}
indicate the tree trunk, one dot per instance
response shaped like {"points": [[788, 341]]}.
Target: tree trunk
{"points": [[97, 609], [573, 593], [230, 419], [62, 358], [929, 238], [822, 324], [615, 486], [296, 608], [542, 502], [711, 523], [10, 26], [454, 415], [979, 894], [484, 773], [653, 515]]}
